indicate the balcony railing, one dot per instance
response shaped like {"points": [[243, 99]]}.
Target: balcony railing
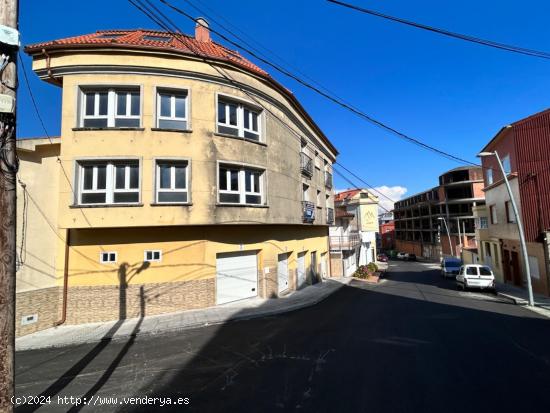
{"points": [[330, 216], [308, 211], [328, 180], [344, 242], [306, 165]]}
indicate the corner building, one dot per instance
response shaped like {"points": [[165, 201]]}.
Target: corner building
{"points": [[181, 181]]}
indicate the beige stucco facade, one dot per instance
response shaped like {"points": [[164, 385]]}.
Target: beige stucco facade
{"points": [[191, 236]]}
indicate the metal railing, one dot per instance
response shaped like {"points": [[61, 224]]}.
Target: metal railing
{"points": [[308, 211], [344, 242], [328, 180], [330, 216], [306, 164]]}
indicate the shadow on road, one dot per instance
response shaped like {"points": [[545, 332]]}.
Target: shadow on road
{"points": [[359, 350], [72, 373], [364, 350]]}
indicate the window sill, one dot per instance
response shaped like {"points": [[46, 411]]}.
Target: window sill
{"points": [[172, 130], [240, 138], [105, 205], [114, 128], [224, 204], [161, 204]]}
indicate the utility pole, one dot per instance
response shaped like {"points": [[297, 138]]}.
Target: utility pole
{"points": [[9, 45]]}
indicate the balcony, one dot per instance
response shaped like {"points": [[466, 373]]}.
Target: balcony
{"points": [[306, 165], [330, 216], [308, 211], [328, 180], [344, 242]]}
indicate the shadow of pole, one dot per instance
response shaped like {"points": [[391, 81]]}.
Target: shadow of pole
{"points": [[69, 375], [115, 363]]}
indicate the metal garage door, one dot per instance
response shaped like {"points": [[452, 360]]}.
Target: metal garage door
{"points": [[236, 276]]}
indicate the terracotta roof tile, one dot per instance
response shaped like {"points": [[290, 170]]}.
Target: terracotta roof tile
{"points": [[135, 38], [350, 193]]}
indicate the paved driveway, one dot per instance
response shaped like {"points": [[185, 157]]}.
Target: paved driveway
{"points": [[411, 344]]}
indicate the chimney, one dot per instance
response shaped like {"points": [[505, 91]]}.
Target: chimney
{"points": [[202, 33]]}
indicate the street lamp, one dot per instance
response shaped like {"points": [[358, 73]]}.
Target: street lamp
{"points": [[448, 235], [518, 221]]}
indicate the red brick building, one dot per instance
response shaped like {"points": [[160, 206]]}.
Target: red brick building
{"points": [[387, 235], [524, 148]]}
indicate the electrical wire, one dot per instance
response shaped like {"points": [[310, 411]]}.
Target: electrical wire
{"points": [[22, 257], [356, 186], [173, 28], [472, 39], [339, 102]]}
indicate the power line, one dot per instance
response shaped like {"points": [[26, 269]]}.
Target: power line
{"points": [[37, 111], [248, 43], [174, 28], [472, 39], [339, 102], [366, 183], [355, 186]]}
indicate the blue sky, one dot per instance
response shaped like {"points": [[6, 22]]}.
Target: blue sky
{"points": [[446, 92]]}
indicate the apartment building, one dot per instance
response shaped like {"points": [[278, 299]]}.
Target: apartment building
{"points": [[421, 220], [524, 148], [178, 182], [353, 237]]}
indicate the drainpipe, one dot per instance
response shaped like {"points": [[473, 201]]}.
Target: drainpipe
{"points": [[328, 254], [49, 69], [65, 280]]}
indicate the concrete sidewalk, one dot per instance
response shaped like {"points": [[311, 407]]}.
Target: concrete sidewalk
{"points": [[240, 310], [519, 296]]}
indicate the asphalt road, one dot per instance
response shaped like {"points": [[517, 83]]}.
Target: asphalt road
{"points": [[411, 344]]}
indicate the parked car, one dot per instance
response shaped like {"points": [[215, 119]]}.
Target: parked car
{"points": [[476, 276], [401, 255], [410, 257], [382, 257], [450, 267]]}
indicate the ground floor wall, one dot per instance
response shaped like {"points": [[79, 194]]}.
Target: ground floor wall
{"points": [[184, 276], [514, 266], [37, 309], [344, 263], [490, 254]]}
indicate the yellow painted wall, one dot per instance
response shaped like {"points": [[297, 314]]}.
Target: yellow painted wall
{"points": [[37, 223], [188, 253], [190, 236]]}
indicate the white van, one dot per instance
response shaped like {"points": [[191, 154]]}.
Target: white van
{"points": [[476, 276]]}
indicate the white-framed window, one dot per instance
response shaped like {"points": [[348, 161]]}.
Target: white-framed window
{"points": [[240, 185], [506, 165], [152, 255], [108, 257], [172, 109], [482, 223], [172, 181], [108, 182], [110, 108], [238, 119], [489, 176]]}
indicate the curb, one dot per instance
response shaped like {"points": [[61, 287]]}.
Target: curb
{"points": [[239, 316], [513, 299]]}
